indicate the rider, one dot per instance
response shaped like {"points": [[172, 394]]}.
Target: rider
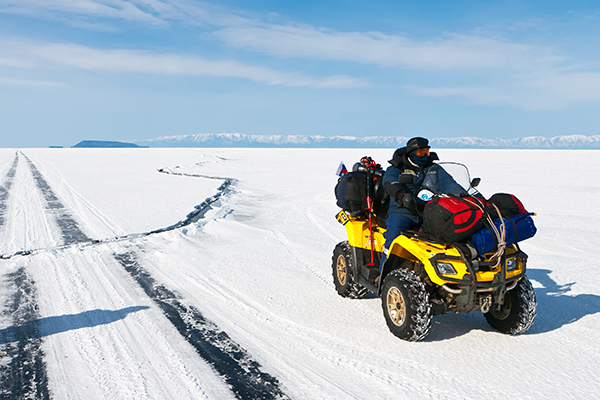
{"points": [[402, 181]]}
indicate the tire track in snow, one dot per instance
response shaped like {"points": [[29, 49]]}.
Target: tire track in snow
{"points": [[5, 187], [22, 369], [229, 359], [309, 215], [69, 228], [286, 244]]}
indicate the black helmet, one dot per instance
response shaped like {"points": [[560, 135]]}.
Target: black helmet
{"points": [[416, 143]]}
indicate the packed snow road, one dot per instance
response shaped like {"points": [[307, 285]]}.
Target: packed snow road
{"points": [[206, 273], [138, 373]]}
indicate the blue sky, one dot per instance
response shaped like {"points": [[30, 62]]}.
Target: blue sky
{"points": [[137, 69]]}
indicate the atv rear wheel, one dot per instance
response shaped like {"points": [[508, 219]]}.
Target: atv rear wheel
{"points": [[518, 312], [406, 305], [342, 273]]}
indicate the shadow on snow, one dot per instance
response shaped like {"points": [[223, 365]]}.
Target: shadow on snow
{"points": [[52, 325], [555, 308]]}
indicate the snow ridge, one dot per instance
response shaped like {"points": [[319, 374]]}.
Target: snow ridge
{"points": [[200, 209], [75, 237], [317, 141]]}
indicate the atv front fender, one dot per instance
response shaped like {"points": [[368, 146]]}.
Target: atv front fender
{"points": [[426, 253]]}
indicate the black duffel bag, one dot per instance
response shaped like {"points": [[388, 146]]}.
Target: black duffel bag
{"points": [[508, 204], [351, 191]]}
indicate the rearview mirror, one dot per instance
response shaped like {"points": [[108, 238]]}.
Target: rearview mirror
{"points": [[475, 182]]}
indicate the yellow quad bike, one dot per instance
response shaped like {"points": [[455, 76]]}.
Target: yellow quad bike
{"points": [[422, 277]]}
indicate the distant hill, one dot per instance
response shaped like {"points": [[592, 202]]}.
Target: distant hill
{"points": [[102, 143], [308, 141]]}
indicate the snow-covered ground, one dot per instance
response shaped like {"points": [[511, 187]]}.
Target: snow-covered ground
{"points": [[251, 280]]}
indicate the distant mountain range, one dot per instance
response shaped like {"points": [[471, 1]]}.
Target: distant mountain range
{"points": [[308, 141]]}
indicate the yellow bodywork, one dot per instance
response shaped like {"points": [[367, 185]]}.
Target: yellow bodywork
{"points": [[417, 249], [359, 234]]}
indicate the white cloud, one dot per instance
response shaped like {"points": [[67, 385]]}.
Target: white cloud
{"points": [[154, 12], [57, 55], [449, 51], [513, 73], [557, 88], [541, 90], [452, 51], [521, 75]]}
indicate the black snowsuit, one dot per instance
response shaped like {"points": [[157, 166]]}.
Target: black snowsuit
{"points": [[403, 169]]}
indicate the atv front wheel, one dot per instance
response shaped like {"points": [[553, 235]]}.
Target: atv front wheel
{"points": [[406, 305], [342, 273], [517, 313]]}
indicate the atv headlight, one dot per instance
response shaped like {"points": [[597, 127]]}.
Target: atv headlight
{"points": [[512, 264], [445, 268]]}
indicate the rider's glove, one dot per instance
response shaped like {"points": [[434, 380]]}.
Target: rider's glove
{"points": [[399, 197], [409, 201]]}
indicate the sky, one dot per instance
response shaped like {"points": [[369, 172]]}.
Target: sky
{"points": [[73, 70]]}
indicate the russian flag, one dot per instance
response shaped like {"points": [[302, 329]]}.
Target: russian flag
{"points": [[341, 170]]}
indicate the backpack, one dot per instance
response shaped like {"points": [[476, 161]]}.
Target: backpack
{"points": [[351, 191], [455, 219]]}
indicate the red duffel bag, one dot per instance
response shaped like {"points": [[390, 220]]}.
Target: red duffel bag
{"points": [[456, 219]]}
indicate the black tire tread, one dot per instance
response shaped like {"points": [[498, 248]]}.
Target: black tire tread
{"points": [[523, 310], [351, 289], [419, 311]]}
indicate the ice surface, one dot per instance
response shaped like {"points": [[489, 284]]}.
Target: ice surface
{"points": [[259, 266]]}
